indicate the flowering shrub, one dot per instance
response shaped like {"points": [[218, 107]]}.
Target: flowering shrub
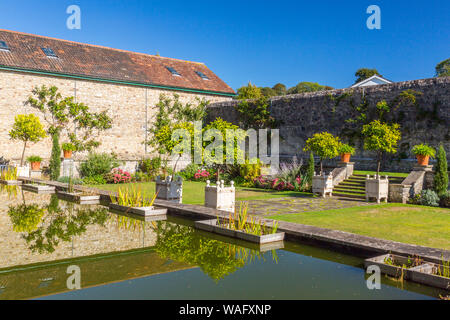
{"points": [[118, 176], [201, 175]]}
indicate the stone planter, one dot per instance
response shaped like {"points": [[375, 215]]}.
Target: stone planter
{"points": [[212, 226], [322, 184], [170, 190], [35, 166], [11, 182], [377, 188], [422, 160], [79, 197], [220, 197], [142, 211], [425, 273], [39, 188], [23, 171]]}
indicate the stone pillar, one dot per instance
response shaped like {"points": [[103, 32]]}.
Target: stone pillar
{"points": [[399, 192], [68, 168], [37, 174], [349, 166]]}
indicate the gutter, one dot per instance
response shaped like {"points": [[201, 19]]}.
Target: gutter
{"points": [[132, 83]]}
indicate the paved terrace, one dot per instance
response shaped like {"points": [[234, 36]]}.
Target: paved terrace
{"points": [[340, 240]]}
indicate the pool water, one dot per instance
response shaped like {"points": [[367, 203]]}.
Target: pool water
{"points": [[123, 257]]}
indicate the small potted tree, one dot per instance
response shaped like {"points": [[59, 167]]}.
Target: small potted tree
{"points": [[326, 146], [346, 152], [68, 148], [35, 162], [423, 153], [28, 129], [379, 137]]}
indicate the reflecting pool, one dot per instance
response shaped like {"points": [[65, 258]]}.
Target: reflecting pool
{"points": [[124, 257]]}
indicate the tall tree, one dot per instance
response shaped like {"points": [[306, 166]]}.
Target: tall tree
{"points": [[249, 91], [443, 68], [280, 89], [302, 87], [441, 176], [365, 73]]}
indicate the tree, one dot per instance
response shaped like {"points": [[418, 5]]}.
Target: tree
{"points": [[27, 128], [280, 89], [249, 91], [443, 68], [324, 145], [62, 113], [256, 114], [381, 137], [268, 92], [365, 73], [311, 169], [302, 87], [441, 176], [55, 158]]}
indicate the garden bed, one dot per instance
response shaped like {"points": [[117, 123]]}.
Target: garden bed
{"points": [[11, 182], [414, 269], [142, 211], [79, 197], [213, 226], [38, 188]]}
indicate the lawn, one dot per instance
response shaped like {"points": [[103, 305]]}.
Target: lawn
{"points": [[194, 192], [421, 225], [390, 174]]}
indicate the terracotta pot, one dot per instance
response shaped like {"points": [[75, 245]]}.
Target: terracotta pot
{"points": [[35, 166], [422, 160], [67, 154], [345, 157]]}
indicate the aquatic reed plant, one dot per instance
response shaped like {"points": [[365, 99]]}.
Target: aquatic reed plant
{"points": [[444, 271], [9, 174], [242, 221], [133, 197]]}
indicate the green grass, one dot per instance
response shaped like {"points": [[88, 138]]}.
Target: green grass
{"points": [[420, 225], [194, 192], [390, 174]]}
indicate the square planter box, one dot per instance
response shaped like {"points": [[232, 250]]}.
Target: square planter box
{"points": [[170, 190], [427, 274], [38, 188], [142, 211], [377, 188], [322, 184], [220, 197], [11, 182], [211, 226], [79, 197], [390, 270], [23, 172]]}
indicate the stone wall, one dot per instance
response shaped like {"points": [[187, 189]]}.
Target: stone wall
{"points": [[302, 115], [132, 108]]}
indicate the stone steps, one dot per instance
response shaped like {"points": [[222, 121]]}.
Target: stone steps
{"points": [[346, 195]]}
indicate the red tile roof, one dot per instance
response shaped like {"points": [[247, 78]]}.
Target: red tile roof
{"points": [[92, 61]]}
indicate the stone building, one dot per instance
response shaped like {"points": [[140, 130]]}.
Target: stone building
{"points": [[126, 84]]}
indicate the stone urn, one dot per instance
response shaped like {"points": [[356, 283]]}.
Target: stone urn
{"points": [[220, 197], [170, 190], [322, 184], [377, 188]]}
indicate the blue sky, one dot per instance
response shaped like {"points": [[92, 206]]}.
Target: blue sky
{"points": [[264, 42]]}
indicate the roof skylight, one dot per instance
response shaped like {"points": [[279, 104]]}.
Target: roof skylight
{"points": [[202, 75], [3, 45], [49, 52], [174, 72]]}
